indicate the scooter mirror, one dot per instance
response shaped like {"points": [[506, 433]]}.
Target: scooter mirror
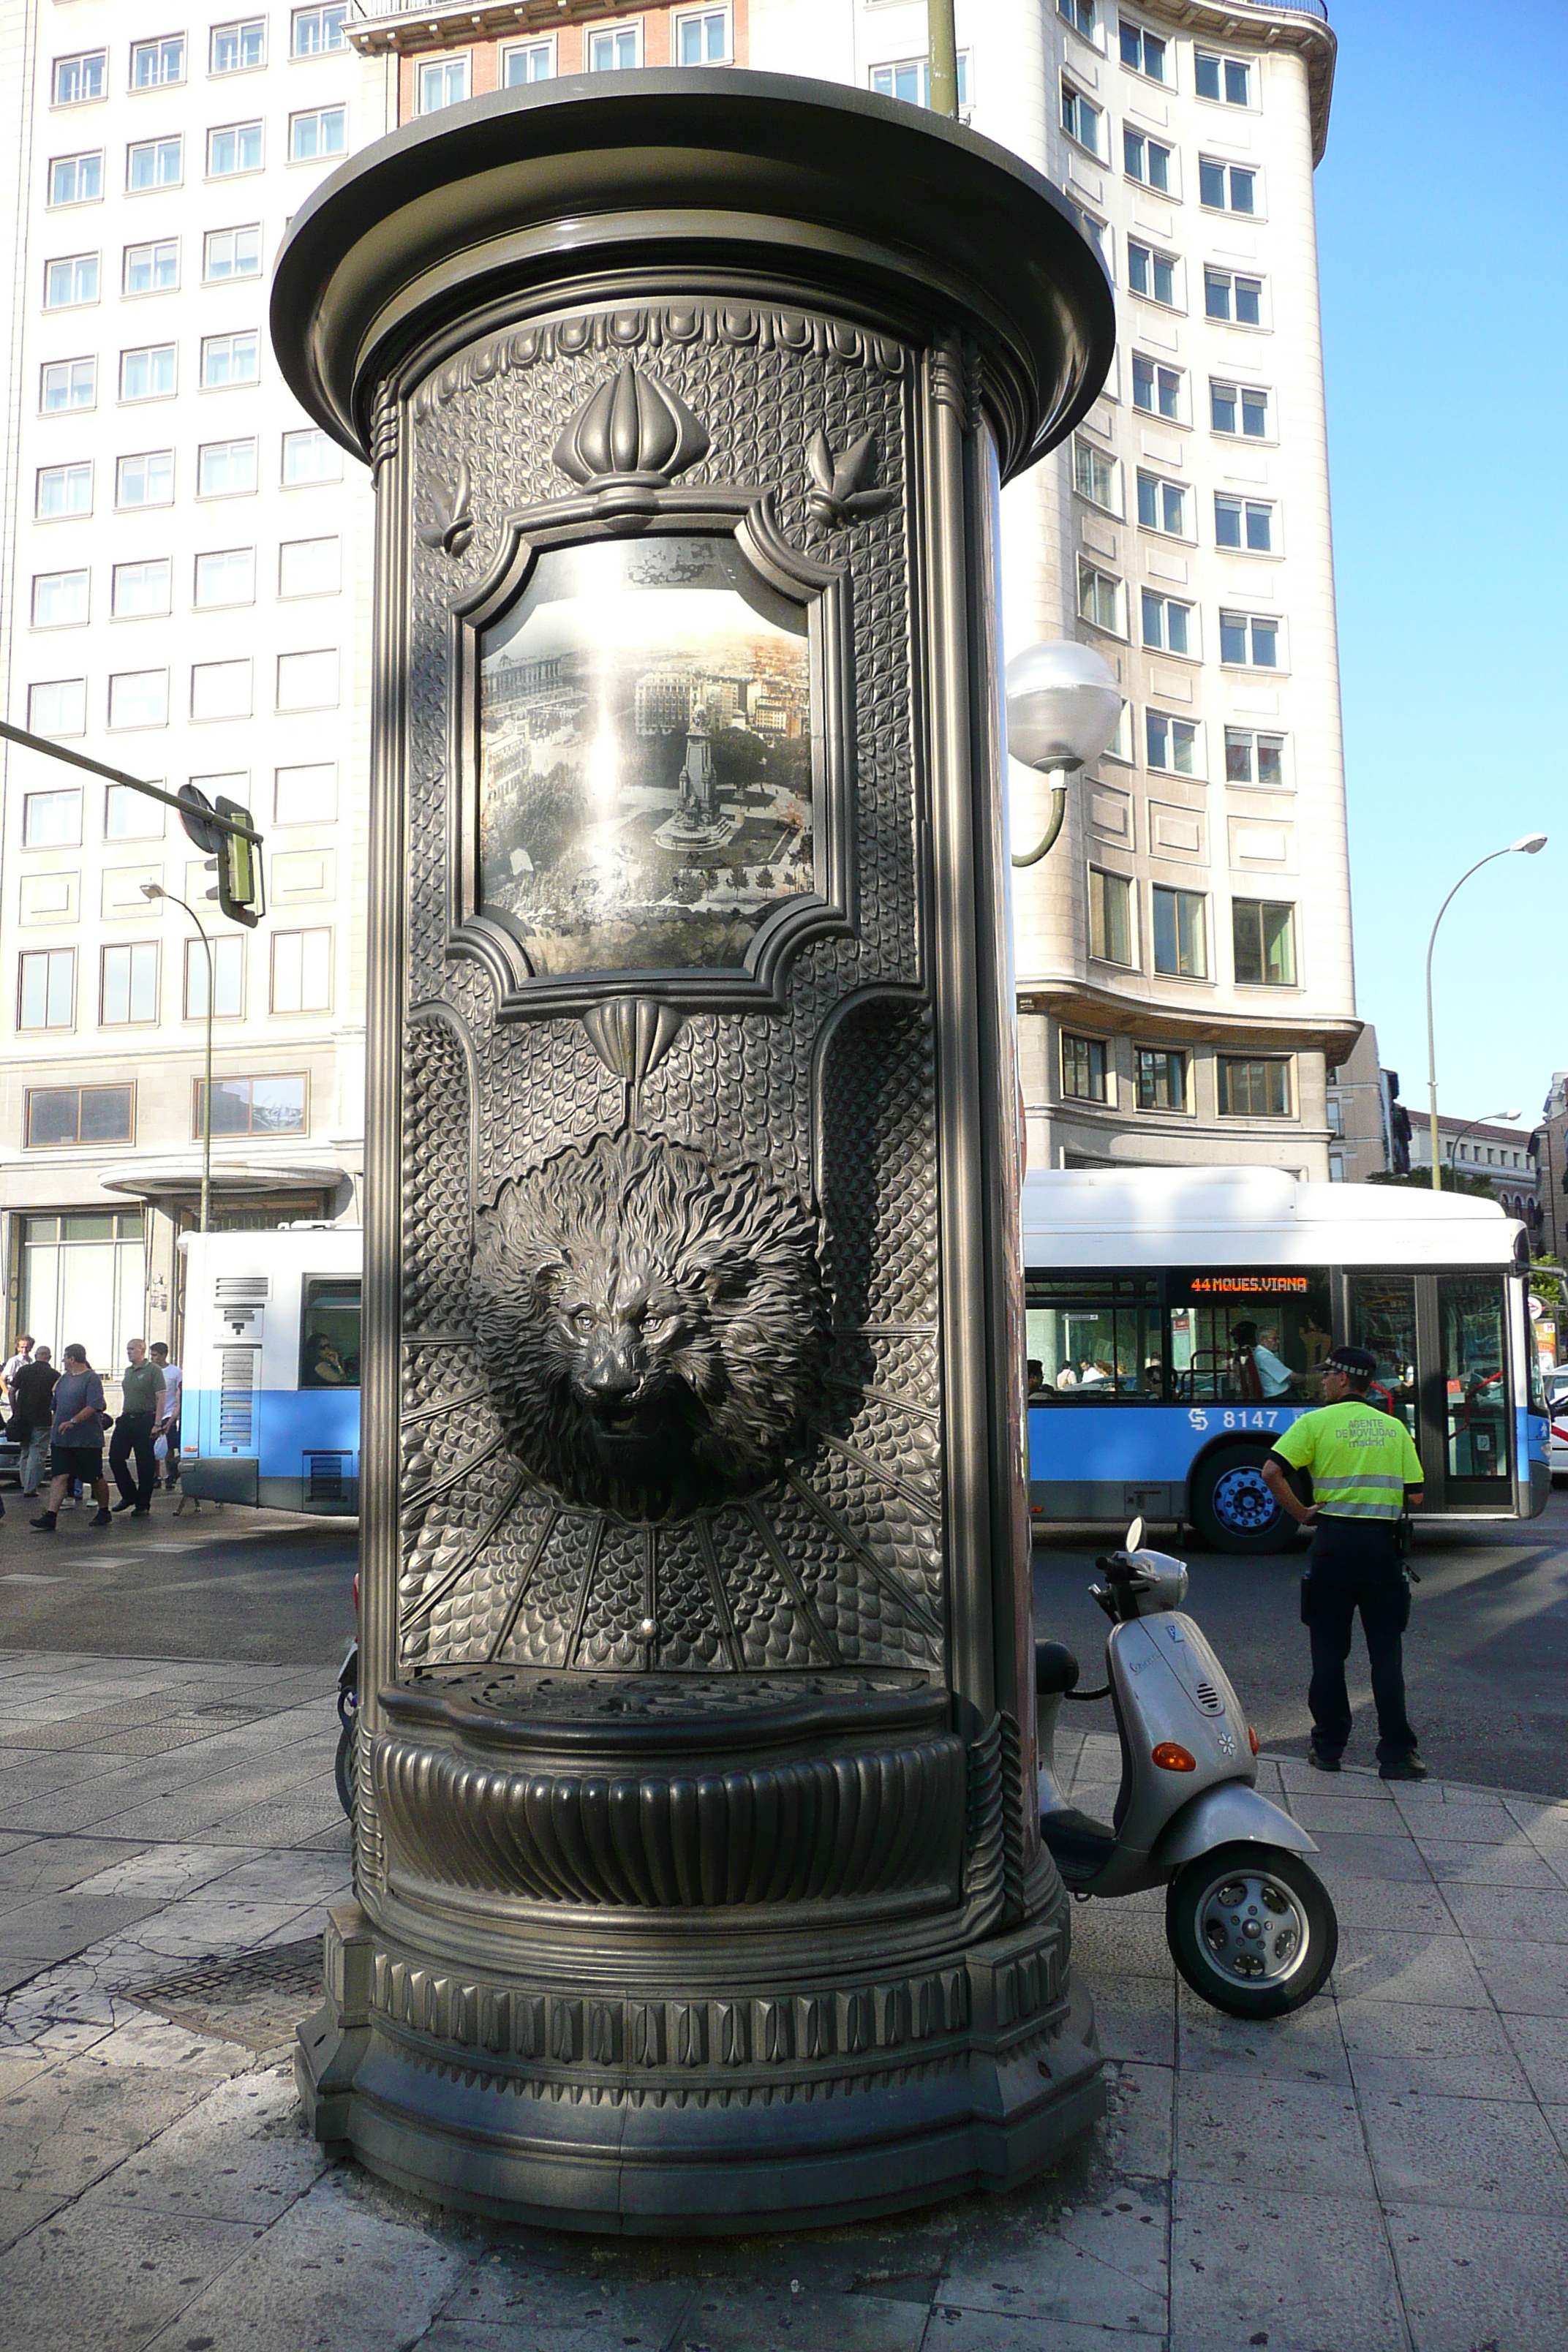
{"points": [[1134, 1537]]}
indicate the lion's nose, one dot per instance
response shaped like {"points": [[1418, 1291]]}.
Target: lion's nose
{"points": [[611, 1376]]}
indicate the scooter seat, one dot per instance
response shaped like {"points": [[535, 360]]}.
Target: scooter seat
{"points": [[1077, 1844], [1055, 1669]]}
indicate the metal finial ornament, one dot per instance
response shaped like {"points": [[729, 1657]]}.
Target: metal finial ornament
{"points": [[633, 430], [631, 1036], [845, 488]]}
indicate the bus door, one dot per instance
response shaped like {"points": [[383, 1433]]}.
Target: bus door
{"points": [[1440, 1341]]}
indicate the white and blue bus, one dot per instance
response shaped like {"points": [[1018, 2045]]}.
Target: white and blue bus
{"points": [[1177, 1318], [269, 1413]]}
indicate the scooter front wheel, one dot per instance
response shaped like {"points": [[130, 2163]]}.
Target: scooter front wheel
{"points": [[1252, 1929]]}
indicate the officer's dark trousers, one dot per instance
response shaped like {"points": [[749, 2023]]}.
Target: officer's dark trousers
{"points": [[134, 1434], [1353, 1564]]}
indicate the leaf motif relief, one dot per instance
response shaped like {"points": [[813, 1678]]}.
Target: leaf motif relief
{"points": [[453, 526], [844, 490]]}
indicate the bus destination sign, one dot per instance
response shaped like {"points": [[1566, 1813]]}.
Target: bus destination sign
{"points": [[1243, 1286]]}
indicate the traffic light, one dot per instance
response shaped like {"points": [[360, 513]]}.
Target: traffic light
{"points": [[239, 870]]}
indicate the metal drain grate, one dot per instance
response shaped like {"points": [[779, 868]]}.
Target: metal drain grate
{"points": [[253, 1998]]}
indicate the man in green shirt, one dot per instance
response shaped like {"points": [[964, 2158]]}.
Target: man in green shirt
{"points": [[1365, 1474], [142, 1401]]}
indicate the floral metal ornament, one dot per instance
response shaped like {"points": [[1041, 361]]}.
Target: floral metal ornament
{"points": [[453, 526], [634, 430], [845, 491]]}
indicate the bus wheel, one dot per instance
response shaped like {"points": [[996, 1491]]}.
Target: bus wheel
{"points": [[1231, 1507]]}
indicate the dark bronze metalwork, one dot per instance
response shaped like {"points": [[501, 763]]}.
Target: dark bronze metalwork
{"points": [[698, 1870]]}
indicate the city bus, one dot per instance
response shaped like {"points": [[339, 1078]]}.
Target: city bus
{"points": [[1177, 1319], [269, 1413]]}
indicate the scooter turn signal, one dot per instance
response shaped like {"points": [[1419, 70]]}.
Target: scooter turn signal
{"points": [[1171, 1758]]}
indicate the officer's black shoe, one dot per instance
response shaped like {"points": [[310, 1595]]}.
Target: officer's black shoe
{"points": [[1321, 1763], [1405, 1768]]}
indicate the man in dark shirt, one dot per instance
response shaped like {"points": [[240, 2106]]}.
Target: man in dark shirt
{"points": [[76, 1440], [142, 1403], [33, 1409]]}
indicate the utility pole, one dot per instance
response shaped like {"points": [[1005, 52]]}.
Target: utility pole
{"points": [[941, 40]]}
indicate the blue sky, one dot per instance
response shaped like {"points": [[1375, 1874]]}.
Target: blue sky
{"points": [[1443, 236]]}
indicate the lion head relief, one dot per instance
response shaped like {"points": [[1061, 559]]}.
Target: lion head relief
{"points": [[653, 1329]]}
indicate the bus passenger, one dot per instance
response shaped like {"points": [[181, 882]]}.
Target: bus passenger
{"points": [[1276, 1375]]}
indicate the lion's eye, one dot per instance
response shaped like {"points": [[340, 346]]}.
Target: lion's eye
{"points": [[583, 1320], [657, 1321]]}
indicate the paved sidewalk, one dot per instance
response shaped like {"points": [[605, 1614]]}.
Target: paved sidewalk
{"points": [[1386, 2170]]}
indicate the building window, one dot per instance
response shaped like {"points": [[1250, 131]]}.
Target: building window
{"points": [[443, 82], [59, 1115], [615, 51], [1244, 523], [226, 576], [236, 148], [154, 164], [221, 690], [527, 61], [51, 820], [1226, 187], [1161, 1077], [1144, 159], [153, 268], [1252, 1089], [158, 65], [1336, 1118], [1249, 640], [1169, 625], [145, 480], [130, 816], [1080, 14], [60, 599], [1227, 294], [68, 384], [1263, 937], [1111, 939], [63, 490], [77, 178], [1240, 409], [1170, 743], [142, 590], [308, 681], [69, 282], [1143, 52], [316, 31], [1180, 935], [1095, 475], [301, 972], [1084, 1062], [1099, 599], [1228, 79], [79, 80], [1162, 505], [1082, 120], [149, 373], [228, 253], [910, 80], [1156, 389], [254, 1106], [1336, 1167], [228, 360], [324, 132], [240, 49], [310, 458], [1097, 235], [57, 706], [703, 37], [226, 469], [310, 567], [228, 987], [1253, 759], [139, 698], [128, 986], [46, 989], [1151, 273], [306, 795]]}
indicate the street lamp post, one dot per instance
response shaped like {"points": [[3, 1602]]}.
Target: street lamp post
{"points": [[1485, 1119], [1529, 845], [1064, 706], [156, 890]]}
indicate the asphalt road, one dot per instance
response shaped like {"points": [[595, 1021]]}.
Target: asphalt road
{"points": [[1486, 1658]]}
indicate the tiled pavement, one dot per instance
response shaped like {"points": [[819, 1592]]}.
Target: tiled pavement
{"points": [[1387, 2170]]}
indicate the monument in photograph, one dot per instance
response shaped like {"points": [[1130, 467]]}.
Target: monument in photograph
{"points": [[697, 1860]]}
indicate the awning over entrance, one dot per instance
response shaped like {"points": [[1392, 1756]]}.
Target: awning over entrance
{"points": [[155, 1177]]}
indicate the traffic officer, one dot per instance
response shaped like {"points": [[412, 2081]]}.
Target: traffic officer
{"points": [[1366, 1473]]}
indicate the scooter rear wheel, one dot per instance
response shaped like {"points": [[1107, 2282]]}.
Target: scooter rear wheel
{"points": [[1252, 1929]]}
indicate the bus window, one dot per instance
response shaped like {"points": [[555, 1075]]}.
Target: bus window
{"points": [[1382, 1320], [1094, 1339], [329, 1332], [1471, 1313], [1241, 1337]]}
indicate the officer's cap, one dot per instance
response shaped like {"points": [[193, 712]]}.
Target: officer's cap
{"points": [[1356, 1360]]}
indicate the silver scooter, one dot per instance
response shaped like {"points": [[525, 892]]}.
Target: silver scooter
{"points": [[1249, 1925]]}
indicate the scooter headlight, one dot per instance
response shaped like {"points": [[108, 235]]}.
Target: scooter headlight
{"points": [[1163, 1581]]}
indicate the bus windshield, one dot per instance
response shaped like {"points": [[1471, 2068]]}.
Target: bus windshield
{"points": [[1189, 1335]]}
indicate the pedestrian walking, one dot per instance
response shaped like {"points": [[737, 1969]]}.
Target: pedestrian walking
{"points": [[140, 1408], [33, 1411], [1365, 1474], [76, 1440], [20, 1354], [168, 1427]]}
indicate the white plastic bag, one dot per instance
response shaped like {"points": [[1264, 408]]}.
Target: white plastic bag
{"points": [[160, 1449]]}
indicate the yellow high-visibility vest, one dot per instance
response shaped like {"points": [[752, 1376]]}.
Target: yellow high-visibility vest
{"points": [[1361, 1460]]}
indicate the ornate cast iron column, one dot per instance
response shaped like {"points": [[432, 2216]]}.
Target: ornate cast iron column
{"points": [[696, 1857]]}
